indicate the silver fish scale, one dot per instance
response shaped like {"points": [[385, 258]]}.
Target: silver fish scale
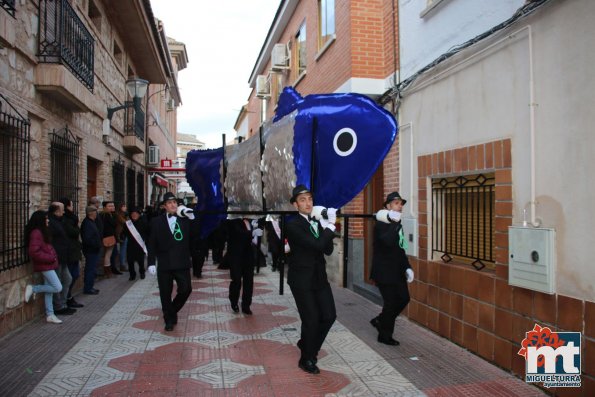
{"points": [[243, 184], [279, 177]]}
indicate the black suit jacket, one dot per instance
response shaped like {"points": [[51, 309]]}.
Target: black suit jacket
{"points": [[307, 266], [389, 261], [239, 243], [170, 254]]}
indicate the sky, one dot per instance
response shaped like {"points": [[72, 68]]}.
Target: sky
{"points": [[223, 39]]}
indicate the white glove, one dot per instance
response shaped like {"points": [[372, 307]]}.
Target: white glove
{"points": [[394, 215], [257, 232], [382, 216], [332, 215], [254, 223], [185, 212], [286, 248], [327, 225], [409, 275], [317, 211], [152, 270]]}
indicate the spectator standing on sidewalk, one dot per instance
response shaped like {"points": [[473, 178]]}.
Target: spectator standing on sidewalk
{"points": [[91, 238], [136, 230], [62, 246], [45, 260], [109, 237], [121, 218], [73, 232], [391, 270], [309, 241], [169, 247]]}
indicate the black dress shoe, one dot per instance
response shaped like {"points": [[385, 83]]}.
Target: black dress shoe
{"points": [[91, 292], [72, 303], [375, 322], [142, 276], [116, 271], [235, 307], [388, 341], [65, 311], [169, 327], [96, 290], [300, 344], [246, 310], [131, 278], [309, 366]]}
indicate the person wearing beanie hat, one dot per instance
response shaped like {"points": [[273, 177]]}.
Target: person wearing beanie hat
{"points": [[309, 241], [169, 247], [391, 271]]}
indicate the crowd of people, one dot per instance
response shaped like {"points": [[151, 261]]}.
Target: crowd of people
{"points": [[119, 239]]}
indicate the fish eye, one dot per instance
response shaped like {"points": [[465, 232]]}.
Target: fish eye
{"points": [[345, 142]]}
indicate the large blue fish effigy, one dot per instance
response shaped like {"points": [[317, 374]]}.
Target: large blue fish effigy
{"points": [[331, 143]]}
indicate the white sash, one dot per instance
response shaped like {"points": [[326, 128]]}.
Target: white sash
{"points": [[136, 235]]}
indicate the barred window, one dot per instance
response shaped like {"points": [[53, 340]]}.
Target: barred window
{"points": [[118, 181], [64, 154], [131, 188], [140, 189], [14, 185], [464, 219]]}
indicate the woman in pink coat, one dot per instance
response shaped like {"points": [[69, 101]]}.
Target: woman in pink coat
{"points": [[45, 260]]}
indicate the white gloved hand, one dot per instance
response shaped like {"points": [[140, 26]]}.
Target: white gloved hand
{"points": [[254, 223], [332, 215], [327, 225], [382, 216], [257, 232], [185, 212], [409, 274], [286, 247], [317, 211], [152, 270], [394, 215]]}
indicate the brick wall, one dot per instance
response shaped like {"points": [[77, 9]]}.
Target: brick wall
{"points": [[478, 309]]}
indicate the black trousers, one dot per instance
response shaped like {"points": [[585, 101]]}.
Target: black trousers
{"points": [[133, 258], [165, 279], [199, 255], [318, 313], [241, 273], [395, 298]]}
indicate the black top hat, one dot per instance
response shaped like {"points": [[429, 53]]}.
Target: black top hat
{"points": [[299, 189], [169, 196], [394, 196], [136, 209]]}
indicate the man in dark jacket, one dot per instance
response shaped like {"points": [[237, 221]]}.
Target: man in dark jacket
{"points": [[62, 246], [391, 270], [73, 232], [137, 231], [309, 240], [91, 239], [169, 245]]}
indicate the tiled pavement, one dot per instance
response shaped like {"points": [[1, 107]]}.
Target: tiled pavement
{"points": [[116, 346]]}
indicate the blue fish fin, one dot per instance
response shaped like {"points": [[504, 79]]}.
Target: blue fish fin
{"points": [[288, 102]]}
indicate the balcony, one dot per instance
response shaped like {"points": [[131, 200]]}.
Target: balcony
{"points": [[65, 40], [7, 22], [134, 128], [8, 5]]}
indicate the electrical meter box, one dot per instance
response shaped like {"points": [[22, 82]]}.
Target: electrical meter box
{"points": [[410, 230], [532, 258]]}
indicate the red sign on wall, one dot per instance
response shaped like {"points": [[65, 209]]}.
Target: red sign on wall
{"points": [[166, 163]]}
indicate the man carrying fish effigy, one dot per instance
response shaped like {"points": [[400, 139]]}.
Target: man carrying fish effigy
{"points": [[310, 239]]}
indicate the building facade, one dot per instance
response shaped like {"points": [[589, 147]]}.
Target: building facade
{"points": [[64, 66]]}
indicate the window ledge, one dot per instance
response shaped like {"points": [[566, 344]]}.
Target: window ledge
{"points": [[430, 7], [299, 78], [325, 47]]}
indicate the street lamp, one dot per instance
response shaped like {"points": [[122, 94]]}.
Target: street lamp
{"points": [[137, 88]]}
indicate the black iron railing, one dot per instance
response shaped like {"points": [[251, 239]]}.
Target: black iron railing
{"points": [[134, 120], [8, 5], [130, 187], [118, 180], [64, 39], [14, 185], [64, 154], [463, 218], [140, 189]]}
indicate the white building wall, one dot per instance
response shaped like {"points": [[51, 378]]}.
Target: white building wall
{"points": [[487, 97]]}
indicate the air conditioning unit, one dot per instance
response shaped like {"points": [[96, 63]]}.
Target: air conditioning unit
{"points": [[171, 105], [263, 86], [280, 57], [153, 155]]}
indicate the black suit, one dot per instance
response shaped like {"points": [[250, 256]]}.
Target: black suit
{"points": [[308, 282], [240, 256], [389, 264], [173, 259], [134, 252]]}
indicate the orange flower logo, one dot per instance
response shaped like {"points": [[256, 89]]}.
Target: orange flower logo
{"points": [[538, 337]]}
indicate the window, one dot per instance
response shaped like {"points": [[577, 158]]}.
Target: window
{"points": [[464, 219], [300, 50], [118, 54], [326, 21], [94, 15], [64, 154], [131, 188], [118, 180], [14, 185], [140, 189]]}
